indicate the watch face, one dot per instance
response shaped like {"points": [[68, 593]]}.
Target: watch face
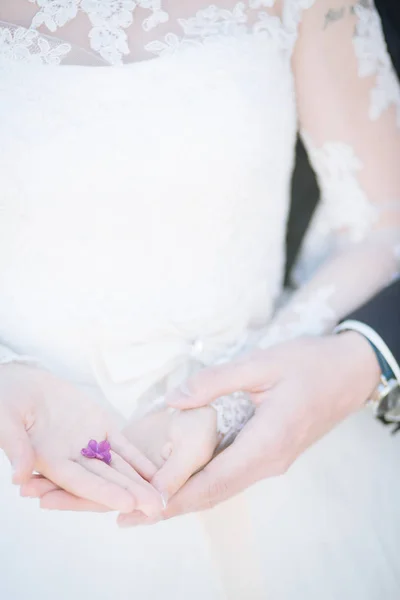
{"points": [[390, 405]]}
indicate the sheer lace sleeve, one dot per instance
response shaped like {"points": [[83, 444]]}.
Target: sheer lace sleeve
{"points": [[349, 111]]}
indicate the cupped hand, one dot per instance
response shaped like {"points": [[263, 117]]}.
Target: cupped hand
{"points": [[180, 443], [44, 424], [302, 388]]}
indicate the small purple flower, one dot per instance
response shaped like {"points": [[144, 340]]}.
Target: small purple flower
{"points": [[100, 450]]}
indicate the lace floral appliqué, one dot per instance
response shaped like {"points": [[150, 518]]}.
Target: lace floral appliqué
{"points": [[54, 13], [261, 3], [210, 23], [109, 20], [373, 59], [311, 315], [345, 205], [216, 21], [26, 45], [216, 24]]}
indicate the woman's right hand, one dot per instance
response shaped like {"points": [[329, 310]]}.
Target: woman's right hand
{"points": [[46, 421]]}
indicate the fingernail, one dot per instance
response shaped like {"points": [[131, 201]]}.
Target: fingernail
{"points": [[166, 451], [184, 389], [179, 396], [135, 522], [149, 510], [164, 499]]}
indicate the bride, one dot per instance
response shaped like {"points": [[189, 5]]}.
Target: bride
{"points": [[146, 154]]}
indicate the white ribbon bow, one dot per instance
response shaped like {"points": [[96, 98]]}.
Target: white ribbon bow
{"points": [[126, 370]]}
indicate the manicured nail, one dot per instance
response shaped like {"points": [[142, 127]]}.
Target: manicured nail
{"points": [[185, 389], [149, 510], [164, 500], [135, 522], [166, 451]]}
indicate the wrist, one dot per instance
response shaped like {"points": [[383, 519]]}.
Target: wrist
{"points": [[361, 364]]}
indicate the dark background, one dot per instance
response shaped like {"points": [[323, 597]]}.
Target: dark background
{"points": [[305, 192]]}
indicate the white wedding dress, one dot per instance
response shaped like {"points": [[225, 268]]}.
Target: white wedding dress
{"points": [[146, 150]]}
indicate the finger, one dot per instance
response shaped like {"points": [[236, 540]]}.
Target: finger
{"points": [[37, 486], [229, 473], [211, 383], [148, 499], [177, 469], [135, 519], [60, 500], [16, 444], [144, 495], [132, 455], [53, 498], [204, 490], [81, 482]]}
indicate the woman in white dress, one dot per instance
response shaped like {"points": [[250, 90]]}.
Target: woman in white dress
{"points": [[142, 234]]}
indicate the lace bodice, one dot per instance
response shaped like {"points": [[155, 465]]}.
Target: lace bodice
{"points": [[143, 207], [121, 31]]}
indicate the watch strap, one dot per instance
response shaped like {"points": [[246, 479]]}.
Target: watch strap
{"points": [[385, 401]]}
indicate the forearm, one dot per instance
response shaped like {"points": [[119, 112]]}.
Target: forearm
{"points": [[349, 108], [345, 281], [379, 321]]}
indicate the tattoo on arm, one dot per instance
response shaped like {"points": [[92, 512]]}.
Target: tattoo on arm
{"points": [[334, 15], [363, 3]]}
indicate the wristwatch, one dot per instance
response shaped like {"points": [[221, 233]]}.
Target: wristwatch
{"points": [[385, 400]]}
